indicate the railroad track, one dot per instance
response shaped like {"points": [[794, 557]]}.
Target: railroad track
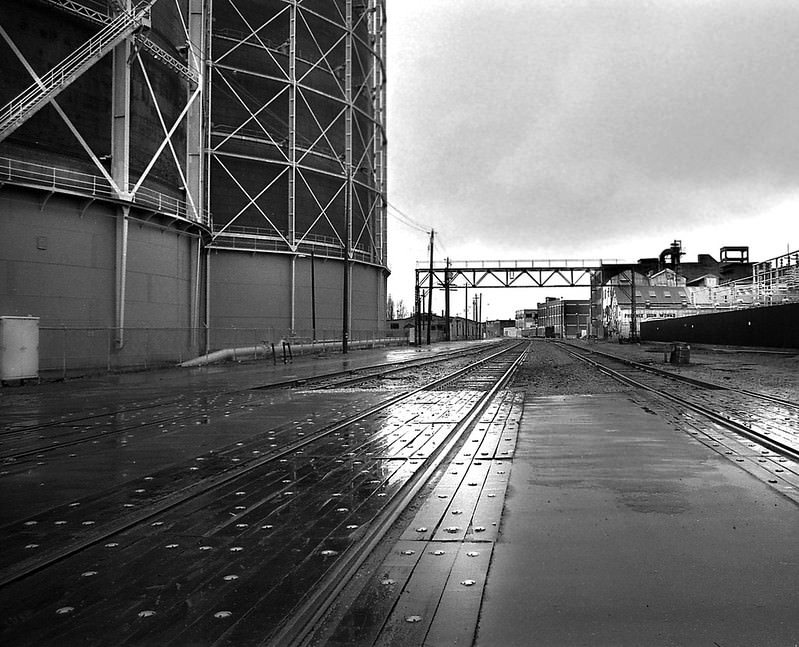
{"points": [[766, 420], [18, 442], [289, 514]]}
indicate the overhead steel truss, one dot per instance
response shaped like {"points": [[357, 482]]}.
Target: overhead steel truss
{"points": [[511, 274]]}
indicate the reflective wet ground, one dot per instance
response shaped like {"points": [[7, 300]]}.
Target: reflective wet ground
{"points": [[200, 519]]}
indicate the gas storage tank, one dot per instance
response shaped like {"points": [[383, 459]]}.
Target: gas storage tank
{"points": [[212, 171]]}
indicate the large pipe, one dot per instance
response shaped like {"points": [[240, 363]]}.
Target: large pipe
{"points": [[227, 353]]}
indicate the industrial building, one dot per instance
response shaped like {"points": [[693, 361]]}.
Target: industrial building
{"points": [[181, 176], [624, 298], [415, 330], [554, 317]]}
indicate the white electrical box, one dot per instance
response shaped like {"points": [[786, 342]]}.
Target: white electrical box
{"points": [[19, 348]]}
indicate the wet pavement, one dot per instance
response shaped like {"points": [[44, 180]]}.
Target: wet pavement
{"points": [[567, 520], [622, 530], [200, 519], [63, 441]]}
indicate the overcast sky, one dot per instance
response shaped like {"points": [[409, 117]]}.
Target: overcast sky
{"points": [[536, 129]]}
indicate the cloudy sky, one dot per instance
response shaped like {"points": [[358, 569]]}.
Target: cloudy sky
{"points": [[536, 129]]}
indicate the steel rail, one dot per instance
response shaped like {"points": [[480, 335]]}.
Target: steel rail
{"points": [[720, 419], [209, 483], [298, 629], [290, 383], [684, 378], [407, 365]]}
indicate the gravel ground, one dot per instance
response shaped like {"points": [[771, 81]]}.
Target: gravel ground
{"points": [[550, 371], [774, 372]]}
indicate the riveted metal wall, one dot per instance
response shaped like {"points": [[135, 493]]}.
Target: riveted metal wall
{"points": [[773, 327]]}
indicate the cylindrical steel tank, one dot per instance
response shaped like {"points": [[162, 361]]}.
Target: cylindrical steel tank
{"points": [[215, 176]]}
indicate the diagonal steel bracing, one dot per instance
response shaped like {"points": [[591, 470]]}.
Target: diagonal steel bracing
{"points": [[17, 111]]}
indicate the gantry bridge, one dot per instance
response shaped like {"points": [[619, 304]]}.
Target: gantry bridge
{"points": [[510, 273]]}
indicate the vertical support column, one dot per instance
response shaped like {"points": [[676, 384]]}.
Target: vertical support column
{"points": [[195, 131], [120, 170], [292, 125], [120, 113], [196, 134], [207, 97], [292, 155], [347, 323]]}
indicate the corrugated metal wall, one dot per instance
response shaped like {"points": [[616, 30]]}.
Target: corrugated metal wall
{"points": [[773, 327]]}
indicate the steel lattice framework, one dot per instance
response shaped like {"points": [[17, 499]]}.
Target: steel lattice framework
{"points": [[296, 139]]}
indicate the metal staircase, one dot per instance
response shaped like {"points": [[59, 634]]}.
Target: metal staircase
{"points": [[19, 109], [99, 17]]}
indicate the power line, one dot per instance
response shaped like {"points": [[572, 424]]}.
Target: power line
{"points": [[405, 219]]}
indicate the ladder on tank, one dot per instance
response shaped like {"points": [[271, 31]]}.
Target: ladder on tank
{"points": [[17, 111]]}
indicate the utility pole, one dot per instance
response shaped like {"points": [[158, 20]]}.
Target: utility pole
{"points": [[430, 289], [417, 315], [633, 313], [466, 314], [446, 302], [480, 318]]}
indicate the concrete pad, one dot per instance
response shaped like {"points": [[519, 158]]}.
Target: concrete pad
{"points": [[621, 530]]}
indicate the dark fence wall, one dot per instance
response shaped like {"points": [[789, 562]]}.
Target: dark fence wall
{"points": [[773, 327]]}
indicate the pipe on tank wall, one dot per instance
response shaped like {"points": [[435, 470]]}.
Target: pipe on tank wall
{"points": [[195, 292], [121, 274], [293, 290], [207, 322]]}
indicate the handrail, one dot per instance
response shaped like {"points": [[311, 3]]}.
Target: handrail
{"points": [[62, 179]]}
